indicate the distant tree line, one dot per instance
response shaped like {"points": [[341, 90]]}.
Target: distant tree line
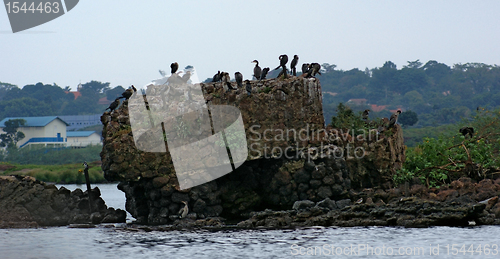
{"points": [[437, 93], [49, 100]]}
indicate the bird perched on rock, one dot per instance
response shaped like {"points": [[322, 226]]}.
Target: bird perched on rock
{"points": [[295, 60], [264, 73], [313, 69], [186, 77], [256, 70], [114, 105], [184, 211], [173, 67], [226, 79], [239, 79], [359, 201], [467, 131], [283, 60], [394, 119], [305, 68], [248, 87], [365, 114], [128, 92], [217, 77]]}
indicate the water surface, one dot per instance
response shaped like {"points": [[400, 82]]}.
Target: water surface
{"points": [[114, 241]]}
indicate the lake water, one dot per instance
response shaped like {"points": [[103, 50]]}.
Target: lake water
{"points": [[112, 241]]}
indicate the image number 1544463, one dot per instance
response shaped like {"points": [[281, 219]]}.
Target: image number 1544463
{"points": [[27, 14], [27, 7]]}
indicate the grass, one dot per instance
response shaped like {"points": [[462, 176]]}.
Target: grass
{"points": [[61, 174]]}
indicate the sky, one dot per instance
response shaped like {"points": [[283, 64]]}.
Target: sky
{"points": [[126, 42]]}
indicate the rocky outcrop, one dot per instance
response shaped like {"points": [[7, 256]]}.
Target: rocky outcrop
{"points": [[278, 114], [27, 202], [320, 163], [463, 203]]}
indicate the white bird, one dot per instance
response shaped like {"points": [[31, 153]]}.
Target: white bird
{"points": [[184, 211]]}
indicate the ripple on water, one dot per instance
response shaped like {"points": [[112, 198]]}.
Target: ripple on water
{"points": [[102, 242]]}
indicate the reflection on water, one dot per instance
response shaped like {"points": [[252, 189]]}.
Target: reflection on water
{"points": [[102, 242], [113, 241]]}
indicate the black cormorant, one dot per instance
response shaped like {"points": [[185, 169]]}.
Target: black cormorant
{"points": [[264, 73], [394, 119], [283, 61], [184, 211], [314, 69], [365, 114], [305, 68], [256, 70], [217, 77], [128, 93], [239, 79], [467, 131], [295, 60], [248, 87], [114, 105], [173, 67]]}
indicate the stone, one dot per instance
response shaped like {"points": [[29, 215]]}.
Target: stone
{"points": [[27, 202], [324, 192], [199, 206], [179, 197], [302, 205], [301, 176], [327, 203], [343, 203], [315, 184], [309, 166]]}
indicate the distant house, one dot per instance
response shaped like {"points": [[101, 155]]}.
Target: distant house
{"points": [[83, 138], [46, 130], [77, 92]]}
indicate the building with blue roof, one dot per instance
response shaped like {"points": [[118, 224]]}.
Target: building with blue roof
{"points": [[44, 130]]}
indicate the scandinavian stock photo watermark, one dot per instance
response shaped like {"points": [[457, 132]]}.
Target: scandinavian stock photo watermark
{"points": [[387, 250], [262, 142]]}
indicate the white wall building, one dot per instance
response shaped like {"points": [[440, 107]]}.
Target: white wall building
{"points": [[46, 130], [82, 138]]}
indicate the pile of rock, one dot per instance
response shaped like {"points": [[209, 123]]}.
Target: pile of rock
{"points": [[27, 202], [457, 205]]}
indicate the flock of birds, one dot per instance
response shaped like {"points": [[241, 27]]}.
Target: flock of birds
{"points": [[308, 70], [386, 123]]}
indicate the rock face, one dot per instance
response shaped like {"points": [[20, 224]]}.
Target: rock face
{"points": [[460, 204], [318, 164], [27, 202]]}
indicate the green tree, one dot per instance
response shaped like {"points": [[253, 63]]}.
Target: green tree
{"points": [[12, 136], [4, 88], [408, 118]]}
